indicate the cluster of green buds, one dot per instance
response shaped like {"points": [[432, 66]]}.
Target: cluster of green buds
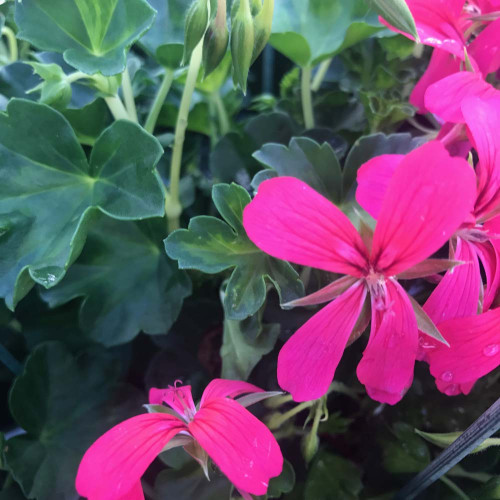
{"points": [[251, 22]]}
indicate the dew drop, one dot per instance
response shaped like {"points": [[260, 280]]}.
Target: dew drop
{"points": [[446, 376], [491, 350], [452, 390]]}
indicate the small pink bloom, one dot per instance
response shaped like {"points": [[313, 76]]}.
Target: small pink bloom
{"points": [[220, 428], [429, 194]]}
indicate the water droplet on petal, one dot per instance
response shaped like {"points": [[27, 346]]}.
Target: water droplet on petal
{"points": [[446, 376], [491, 350], [452, 390]]}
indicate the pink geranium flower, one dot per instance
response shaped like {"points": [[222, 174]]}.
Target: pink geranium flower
{"points": [[429, 196], [454, 27], [220, 428], [477, 240]]}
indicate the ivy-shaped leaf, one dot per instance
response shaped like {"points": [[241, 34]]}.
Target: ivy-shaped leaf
{"points": [[369, 146], [128, 283], [49, 192], [308, 31], [243, 345], [63, 403], [212, 245], [305, 159], [332, 476], [92, 35]]}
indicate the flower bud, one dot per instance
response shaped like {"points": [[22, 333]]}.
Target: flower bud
{"points": [[194, 27], [216, 40], [262, 25], [242, 42], [55, 90]]}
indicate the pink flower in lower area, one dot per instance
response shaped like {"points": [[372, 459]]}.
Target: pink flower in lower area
{"points": [[429, 196], [220, 428]]}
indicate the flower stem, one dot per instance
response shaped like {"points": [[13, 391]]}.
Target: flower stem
{"points": [[224, 124], [320, 75], [279, 420], [173, 207], [12, 41], [307, 108], [128, 96], [160, 97], [117, 108], [77, 75], [460, 494]]}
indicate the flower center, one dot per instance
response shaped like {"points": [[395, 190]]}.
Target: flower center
{"points": [[375, 282]]}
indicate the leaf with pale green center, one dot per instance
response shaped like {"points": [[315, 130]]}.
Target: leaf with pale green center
{"points": [[309, 31], [49, 192], [316, 165], [128, 283], [445, 439], [397, 13], [92, 35], [212, 245], [64, 404]]}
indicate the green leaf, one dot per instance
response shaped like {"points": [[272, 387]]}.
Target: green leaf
{"points": [[405, 452], [16, 80], [443, 440], [284, 483], [304, 159], [332, 476], [244, 343], [212, 245], [369, 146], [397, 13], [309, 31], [93, 35], [127, 282], [231, 160], [165, 39], [63, 403], [190, 483], [49, 192]]}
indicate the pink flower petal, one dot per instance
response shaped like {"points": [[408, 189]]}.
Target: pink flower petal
{"points": [[221, 388], [242, 447], [373, 180], [386, 369], [429, 196], [485, 49], [457, 294], [442, 64], [307, 362], [445, 97], [178, 398], [291, 221], [474, 349], [438, 24], [482, 117], [490, 259], [112, 467]]}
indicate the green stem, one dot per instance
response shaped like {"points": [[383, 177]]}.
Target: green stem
{"points": [[128, 96], [224, 124], [173, 207], [279, 420], [117, 108], [12, 41], [461, 494], [320, 75], [160, 97], [307, 108], [77, 75]]}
